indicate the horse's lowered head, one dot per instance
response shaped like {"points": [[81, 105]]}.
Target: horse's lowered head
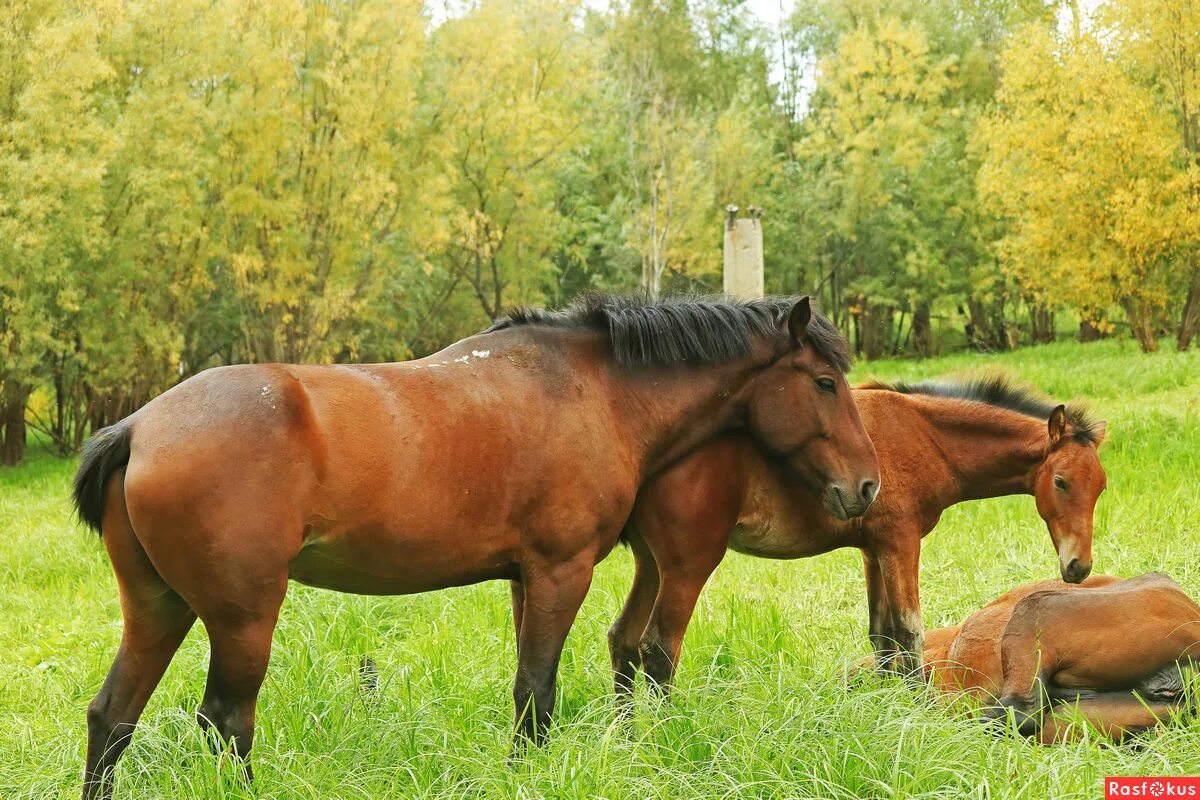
{"points": [[1067, 484], [801, 410]]}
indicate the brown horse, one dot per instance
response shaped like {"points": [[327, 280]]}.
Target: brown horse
{"points": [[515, 454], [1113, 652], [938, 444]]}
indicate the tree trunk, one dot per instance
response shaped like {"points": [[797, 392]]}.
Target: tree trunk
{"points": [[984, 331], [1190, 321], [922, 330], [875, 326], [1141, 324], [12, 419], [856, 322], [1088, 332], [1041, 325]]}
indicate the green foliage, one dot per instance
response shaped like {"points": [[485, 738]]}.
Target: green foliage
{"points": [[193, 183]]}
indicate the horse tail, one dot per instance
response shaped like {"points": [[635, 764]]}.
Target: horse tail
{"points": [[105, 453]]}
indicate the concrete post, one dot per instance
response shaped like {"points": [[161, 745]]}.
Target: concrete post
{"points": [[744, 253]]}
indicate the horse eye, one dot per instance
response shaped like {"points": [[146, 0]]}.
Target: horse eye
{"points": [[827, 385], [1060, 483]]}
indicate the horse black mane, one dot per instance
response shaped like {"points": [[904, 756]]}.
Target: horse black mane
{"points": [[682, 329], [999, 391]]}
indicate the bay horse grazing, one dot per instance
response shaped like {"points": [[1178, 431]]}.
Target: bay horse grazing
{"points": [[515, 454], [1114, 652], [938, 444]]}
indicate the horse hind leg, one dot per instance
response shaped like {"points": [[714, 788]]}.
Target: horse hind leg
{"points": [[624, 638], [156, 622], [240, 646]]}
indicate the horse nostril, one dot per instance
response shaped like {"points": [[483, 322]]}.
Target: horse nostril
{"points": [[1076, 571], [869, 490]]}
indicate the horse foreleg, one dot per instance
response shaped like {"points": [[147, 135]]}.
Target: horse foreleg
{"points": [[1116, 715], [678, 592], [1025, 665], [903, 634], [625, 636], [553, 594], [518, 605], [877, 607]]}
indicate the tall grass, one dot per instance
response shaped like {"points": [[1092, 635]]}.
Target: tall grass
{"points": [[763, 707]]}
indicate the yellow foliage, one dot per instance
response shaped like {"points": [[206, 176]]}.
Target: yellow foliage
{"points": [[1083, 164]]}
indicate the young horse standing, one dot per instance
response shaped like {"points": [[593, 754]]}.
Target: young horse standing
{"points": [[938, 445], [516, 454]]}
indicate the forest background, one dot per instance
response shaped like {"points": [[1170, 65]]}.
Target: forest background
{"points": [[189, 183]]}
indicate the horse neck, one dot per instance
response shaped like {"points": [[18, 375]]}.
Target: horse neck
{"points": [[661, 413], [992, 451], [671, 411]]}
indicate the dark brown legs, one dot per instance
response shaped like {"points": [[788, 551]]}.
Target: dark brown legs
{"points": [[552, 596], [154, 629], [156, 621], [894, 605], [239, 610], [667, 584], [518, 605], [238, 664], [625, 636]]}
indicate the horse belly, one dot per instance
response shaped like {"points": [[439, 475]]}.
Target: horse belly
{"points": [[375, 560]]}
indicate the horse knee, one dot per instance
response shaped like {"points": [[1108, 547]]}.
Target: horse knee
{"points": [[621, 649], [626, 660]]}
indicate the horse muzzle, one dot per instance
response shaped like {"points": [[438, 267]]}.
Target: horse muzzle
{"points": [[845, 504], [1075, 571]]}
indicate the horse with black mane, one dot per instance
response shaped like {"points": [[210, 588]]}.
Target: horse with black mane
{"points": [[938, 444], [515, 454]]}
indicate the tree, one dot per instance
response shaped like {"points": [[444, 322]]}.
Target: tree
{"points": [[511, 77], [52, 224], [874, 143], [1081, 163], [1159, 42]]}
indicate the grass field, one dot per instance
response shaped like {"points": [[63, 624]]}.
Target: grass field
{"points": [[762, 706]]}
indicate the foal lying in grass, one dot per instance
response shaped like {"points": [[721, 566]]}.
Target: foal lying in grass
{"points": [[1113, 652]]}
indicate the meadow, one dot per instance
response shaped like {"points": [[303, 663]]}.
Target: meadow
{"points": [[763, 705]]}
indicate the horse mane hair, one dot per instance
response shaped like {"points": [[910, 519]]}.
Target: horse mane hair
{"points": [[1001, 392], [682, 329]]}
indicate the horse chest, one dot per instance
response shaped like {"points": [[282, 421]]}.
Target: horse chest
{"points": [[772, 532]]}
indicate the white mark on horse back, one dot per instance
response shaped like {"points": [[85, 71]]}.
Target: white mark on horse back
{"points": [[266, 394], [459, 360]]}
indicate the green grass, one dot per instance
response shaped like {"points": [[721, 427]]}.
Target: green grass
{"points": [[762, 708]]}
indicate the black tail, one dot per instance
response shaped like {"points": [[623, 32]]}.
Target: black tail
{"points": [[106, 452]]}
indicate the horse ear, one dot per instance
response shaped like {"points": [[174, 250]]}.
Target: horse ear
{"points": [[1100, 430], [798, 319], [1058, 424]]}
